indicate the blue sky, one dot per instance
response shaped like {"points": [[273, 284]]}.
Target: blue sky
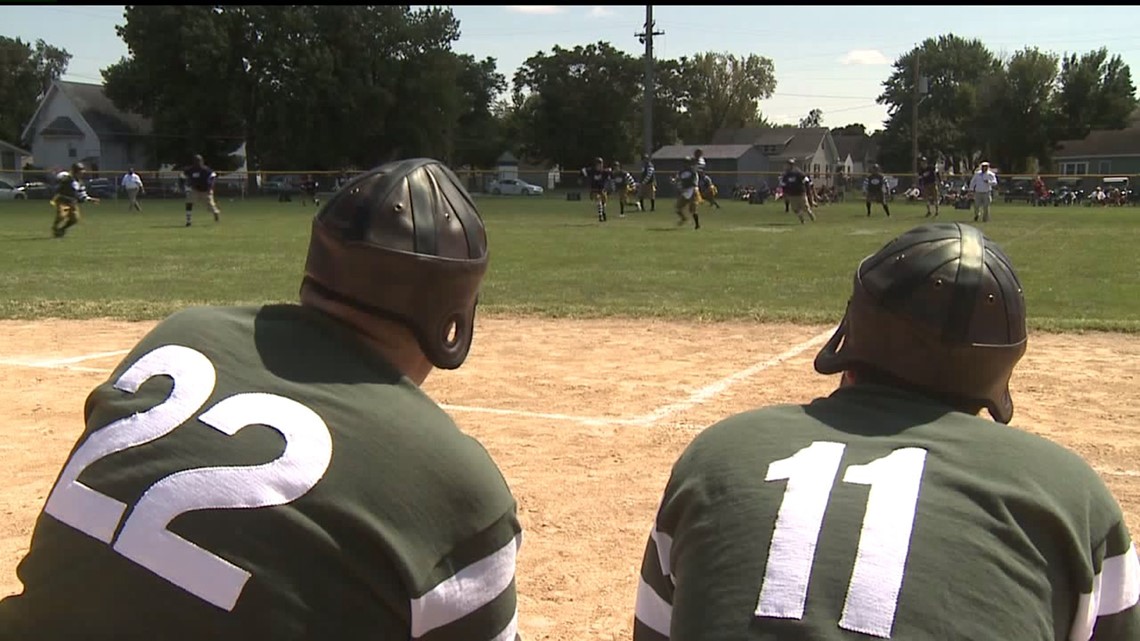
{"points": [[834, 58]]}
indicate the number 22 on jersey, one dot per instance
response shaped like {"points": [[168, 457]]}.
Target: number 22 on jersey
{"points": [[144, 537], [884, 539]]}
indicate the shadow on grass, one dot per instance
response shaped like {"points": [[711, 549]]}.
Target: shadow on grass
{"points": [[27, 238]]}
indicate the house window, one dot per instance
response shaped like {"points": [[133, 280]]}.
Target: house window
{"points": [[815, 169], [8, 161], [1074, 168], [1105, 166], [71, 152]]}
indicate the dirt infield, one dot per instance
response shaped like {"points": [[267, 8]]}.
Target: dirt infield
{"points": [[585, 418]]}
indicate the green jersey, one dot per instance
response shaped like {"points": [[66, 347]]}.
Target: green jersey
{"points": [[256, 473], [876, 513]]}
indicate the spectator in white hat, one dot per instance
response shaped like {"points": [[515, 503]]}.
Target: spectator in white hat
{"points": [[982, 186]]}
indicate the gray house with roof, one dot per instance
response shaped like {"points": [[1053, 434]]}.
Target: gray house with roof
{"points": [[77, 122], [812, 148], [729, 165]]}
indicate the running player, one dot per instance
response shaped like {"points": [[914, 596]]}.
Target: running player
{"points": [[875, 190], [598, 177], [647, 184]]}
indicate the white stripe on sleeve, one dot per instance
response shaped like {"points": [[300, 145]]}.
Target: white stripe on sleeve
{"points": [[664, 544], [1115, 589], [652, 610], [468, 590]]}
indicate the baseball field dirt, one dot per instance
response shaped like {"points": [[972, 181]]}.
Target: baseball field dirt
{"points": [[585, 418]]}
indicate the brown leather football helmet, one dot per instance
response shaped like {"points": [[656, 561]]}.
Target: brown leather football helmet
{"points": [[939, 308], [405, 241]]}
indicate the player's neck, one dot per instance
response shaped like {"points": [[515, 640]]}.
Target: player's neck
{"points": [[390, 340]]}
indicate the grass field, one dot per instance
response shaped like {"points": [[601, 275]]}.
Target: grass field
{"points": [[549, 257]]}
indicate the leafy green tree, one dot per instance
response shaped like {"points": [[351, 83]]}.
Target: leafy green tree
{"points": [[1095, 92], [814, 118], [580, 103], [26, 72], [948, 116], [725, 90]]}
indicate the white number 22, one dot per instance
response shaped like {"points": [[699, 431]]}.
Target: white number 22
{"points": [[873, 591], [144, 537]]}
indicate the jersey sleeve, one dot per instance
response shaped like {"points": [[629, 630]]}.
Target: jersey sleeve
{"points": [[472, 595], [1108, 610], [653, 610]]}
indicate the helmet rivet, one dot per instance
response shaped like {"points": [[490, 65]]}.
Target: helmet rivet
{"points": [[399, 207], [937, 283], [990, 299], [900, 257]]}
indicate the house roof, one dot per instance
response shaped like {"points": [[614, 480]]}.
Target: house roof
{"points": [[712, 152], [507, 158], [62, 126], [797, 142], [6, 146], [1102, 142], [102, 114], [858, 146], [96, 108]]}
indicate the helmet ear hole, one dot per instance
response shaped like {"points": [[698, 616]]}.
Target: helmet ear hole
{"points": [[451, 332]]}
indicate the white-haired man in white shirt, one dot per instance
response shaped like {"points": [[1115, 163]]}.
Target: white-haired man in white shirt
{"points": [[982, 186], [132, 184]]}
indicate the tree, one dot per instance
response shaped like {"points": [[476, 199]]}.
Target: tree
{"points": [[585, 103], [725, 91], [948, 115], [1095, 92], [814, 118], [302, 86], [175, 52], [479, 137], [857, 129], [26, 73], [1021, 93]]}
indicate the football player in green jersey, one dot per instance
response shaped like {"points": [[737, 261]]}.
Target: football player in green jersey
{"points": [[890, 509], [276, 472]]}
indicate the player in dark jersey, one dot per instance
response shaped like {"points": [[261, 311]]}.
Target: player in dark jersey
{"points": [[70, 191], [598, 177], [930, 181], [309, 191], [709, 191], [890, 510], [795, 184], [647, 184], [200, 188], [624, 187], [276, 472], [875, 189], [688, 191]]}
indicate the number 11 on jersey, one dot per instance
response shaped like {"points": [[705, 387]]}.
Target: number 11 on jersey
{"points": [[884, 539]]}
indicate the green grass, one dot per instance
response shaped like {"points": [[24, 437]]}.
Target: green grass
{"points": [[1079, 266]]}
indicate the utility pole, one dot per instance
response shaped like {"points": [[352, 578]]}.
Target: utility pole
{"points": [[914, 115], [646, 38]]}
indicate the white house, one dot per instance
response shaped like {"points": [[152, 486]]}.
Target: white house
{"points": [[812, 148], [77, 122], [12, 160]]}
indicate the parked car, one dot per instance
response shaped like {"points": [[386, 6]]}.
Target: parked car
{"points": [[278, 185], [8, 191], [100, 188], [1019, 188], [513, 187], [34, 191]]}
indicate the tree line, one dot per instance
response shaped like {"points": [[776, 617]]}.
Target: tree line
{"points": [[330, 87]]}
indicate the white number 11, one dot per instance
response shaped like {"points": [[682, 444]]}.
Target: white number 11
{"points": [[884, 540]]}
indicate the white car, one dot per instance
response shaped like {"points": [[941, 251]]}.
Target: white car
{"points": [[513, 187], [8, 191]]}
